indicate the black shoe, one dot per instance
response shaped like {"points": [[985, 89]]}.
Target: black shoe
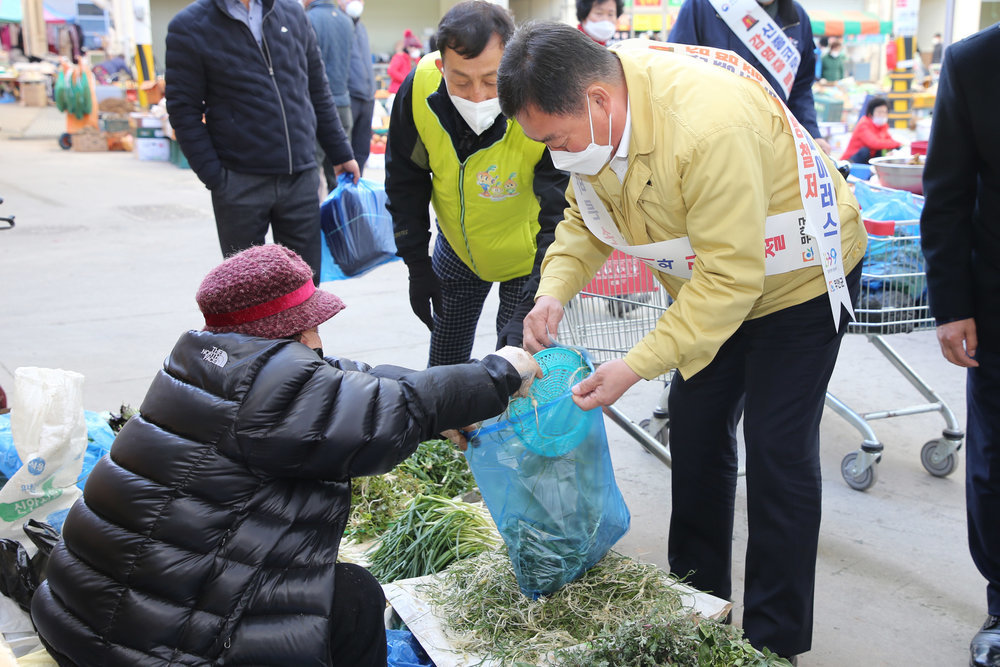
{"points": [[985, 646]]}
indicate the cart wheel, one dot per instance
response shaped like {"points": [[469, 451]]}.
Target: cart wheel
{"points": [[934, 462], [861, 482], [663, 435], [65, 141]]}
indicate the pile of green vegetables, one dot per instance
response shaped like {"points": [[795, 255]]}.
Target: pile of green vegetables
{"points": [[431, 533], [436, 468], [622, 612]]}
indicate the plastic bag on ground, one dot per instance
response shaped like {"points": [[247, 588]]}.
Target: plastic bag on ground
{"points": [[100, 436], [20, 574], [559, 514], [357, 229], [405, 650], [50, 437]]}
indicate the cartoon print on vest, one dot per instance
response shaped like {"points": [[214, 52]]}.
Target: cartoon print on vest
{"points": [[493, 187]]}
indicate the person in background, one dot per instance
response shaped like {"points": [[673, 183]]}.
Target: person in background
{"points": [[496, 194], [960, 235], [698, 22], [335, 38], [689, 168], [404, 60], [834, 62], [249, 132], [938, 51], [210, 533], [598, 19], [360, 84], [871, 137]]}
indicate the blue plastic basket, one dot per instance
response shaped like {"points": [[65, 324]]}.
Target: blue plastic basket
{"points": [[548, 421]]}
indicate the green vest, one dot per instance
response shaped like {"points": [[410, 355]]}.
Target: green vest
{"points": [[486, 207]]}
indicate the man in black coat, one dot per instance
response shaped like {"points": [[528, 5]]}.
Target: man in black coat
{"points": [[210, 533], [253, 70], [960, 233]]}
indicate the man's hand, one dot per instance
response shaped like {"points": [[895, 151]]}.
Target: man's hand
{"points": [[824, 146], [542, 323], [351, 167], [605, 385], [958, 342]]}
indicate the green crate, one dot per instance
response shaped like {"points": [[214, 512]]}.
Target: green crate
{"points": [[828, 109]]}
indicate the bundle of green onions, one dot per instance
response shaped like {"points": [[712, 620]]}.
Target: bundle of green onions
{"points": [[431, 533], [435, 468], [622, 612]]}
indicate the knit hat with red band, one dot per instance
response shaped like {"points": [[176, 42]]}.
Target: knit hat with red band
{"points": [[264, 291]]}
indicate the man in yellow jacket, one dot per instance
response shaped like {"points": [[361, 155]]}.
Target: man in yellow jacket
{"points": [[705, 176]]}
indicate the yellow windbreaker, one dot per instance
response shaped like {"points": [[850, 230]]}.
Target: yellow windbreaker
{"points": [[710, 157]]}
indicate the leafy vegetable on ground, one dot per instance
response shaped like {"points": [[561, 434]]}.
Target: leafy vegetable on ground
{"points": [[622, 612], [440, 466], [430, 534], [436, 468]]}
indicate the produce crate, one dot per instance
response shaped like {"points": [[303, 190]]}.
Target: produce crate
{"points": [[114, 123], [829, 109], [90, 142]]}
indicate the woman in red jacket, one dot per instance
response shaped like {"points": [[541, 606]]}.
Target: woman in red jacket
{"points": [[871, 136], [403, 61]]}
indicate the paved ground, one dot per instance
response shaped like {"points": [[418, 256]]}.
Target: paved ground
{"points": [[100, 273]]}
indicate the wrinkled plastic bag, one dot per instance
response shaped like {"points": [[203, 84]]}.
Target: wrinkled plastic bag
{"points": [[50, 437], [558, 515], [357, 229], [21, 574], [100, 436], [405, 650]]}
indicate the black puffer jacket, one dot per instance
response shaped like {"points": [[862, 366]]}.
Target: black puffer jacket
{"points": [[209, 534], [264, 105]]}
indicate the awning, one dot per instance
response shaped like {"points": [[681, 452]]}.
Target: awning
{"points": [[10, 11], [848, 22]]}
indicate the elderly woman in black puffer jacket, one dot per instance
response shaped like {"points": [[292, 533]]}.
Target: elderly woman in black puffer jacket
{"points": [[210, 533]]}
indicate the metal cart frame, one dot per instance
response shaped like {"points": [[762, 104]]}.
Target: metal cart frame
{"points": [[622, 304]]}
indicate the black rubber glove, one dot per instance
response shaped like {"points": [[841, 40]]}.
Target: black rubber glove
{"points": [[425, 291]]}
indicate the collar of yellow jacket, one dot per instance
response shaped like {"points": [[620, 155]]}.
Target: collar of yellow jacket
{"points": [[640, 101]]}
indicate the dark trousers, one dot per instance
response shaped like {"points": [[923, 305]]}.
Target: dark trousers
{"points": [[982, 471], [774, 370], [246, 204], [361, 132], [357, 635], [864, 154], [462, 296]]}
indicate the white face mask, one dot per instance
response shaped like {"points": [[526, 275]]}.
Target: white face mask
{"points": [[415, 54], [480, 116], [354, 9], [590, 160], [602, 31]]}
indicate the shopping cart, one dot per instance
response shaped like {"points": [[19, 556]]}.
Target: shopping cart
{"points": [[623, 303]]}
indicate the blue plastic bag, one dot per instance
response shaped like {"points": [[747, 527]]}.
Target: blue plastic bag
{"points": [[558, 515], [405, 650], [99, 439], [357, 229]]}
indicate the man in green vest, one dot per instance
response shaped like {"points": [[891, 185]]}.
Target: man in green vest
{"points": [[496, 195]]}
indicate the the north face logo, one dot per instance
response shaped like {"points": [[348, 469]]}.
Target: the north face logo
{"points": [[215, 356]]}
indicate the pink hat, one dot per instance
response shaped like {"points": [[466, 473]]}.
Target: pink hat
{"points": [[264, 291], [410, 41]]}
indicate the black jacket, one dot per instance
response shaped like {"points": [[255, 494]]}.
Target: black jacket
{"points": [[960, 224], [408, 185], [210, 532], [264, 104]]}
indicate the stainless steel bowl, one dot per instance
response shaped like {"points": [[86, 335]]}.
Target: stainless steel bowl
{"points": [[895, 172]]}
